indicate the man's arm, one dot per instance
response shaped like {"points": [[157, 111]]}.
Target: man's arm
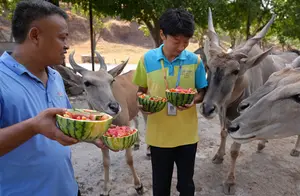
{"points": [[15, 135], [140, 77], [142, 90], [44, 123], [201, 82], [200, 95]]}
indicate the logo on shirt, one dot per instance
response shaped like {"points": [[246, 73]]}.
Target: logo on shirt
{"points": [[186, 73], [60, 95]]}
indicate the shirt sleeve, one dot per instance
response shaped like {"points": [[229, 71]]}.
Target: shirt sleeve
{"points": [[1, 105], [200, 76], [140, 76]]}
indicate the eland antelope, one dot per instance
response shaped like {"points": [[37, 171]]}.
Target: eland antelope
{"points": [[232, 77]]}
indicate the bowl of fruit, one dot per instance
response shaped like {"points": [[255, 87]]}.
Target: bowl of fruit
{"points": [[180, 96], [120, 137], [152, 103], [84, 124]]}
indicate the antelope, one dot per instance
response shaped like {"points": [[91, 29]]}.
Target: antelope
{"points": [[271, 112], [114, 94], [232, 77]]}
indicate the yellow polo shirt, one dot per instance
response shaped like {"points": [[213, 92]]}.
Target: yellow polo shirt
{"points": [[163, 130]]}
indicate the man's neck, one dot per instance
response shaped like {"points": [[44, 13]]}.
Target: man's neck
{"points": [[28, 60], [168, 55]]}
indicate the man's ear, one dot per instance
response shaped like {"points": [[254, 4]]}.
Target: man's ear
{"points": [[33, 35], [162, 35]]}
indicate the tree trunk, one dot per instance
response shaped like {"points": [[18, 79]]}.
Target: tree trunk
{"points": [[154, 31]]}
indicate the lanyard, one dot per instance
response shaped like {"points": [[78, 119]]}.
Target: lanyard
{"points": [[165, 75]]}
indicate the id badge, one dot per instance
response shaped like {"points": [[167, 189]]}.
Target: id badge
{"points": [[172, 110]]}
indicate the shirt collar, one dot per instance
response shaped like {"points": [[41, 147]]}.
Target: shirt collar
{"points": [[18, 68], [160, 54]]}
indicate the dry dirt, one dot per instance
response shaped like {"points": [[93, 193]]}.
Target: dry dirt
{"points": [[270, 173], [114, 53]]}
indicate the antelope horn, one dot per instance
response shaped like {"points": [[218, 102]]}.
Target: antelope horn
{"points": [[295, 63], [252, 41], [76, 67], [101, 61], [212, 35]]}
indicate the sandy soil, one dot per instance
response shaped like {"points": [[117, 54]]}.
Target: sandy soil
{"points": [[114, 53], [270, 173]]}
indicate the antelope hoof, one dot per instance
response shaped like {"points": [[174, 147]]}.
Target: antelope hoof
{"points": [[140, 190], [229, 188], [217, 159], [106, 193], [136, 147], [260, 147], [295, 153], [148, 154]]}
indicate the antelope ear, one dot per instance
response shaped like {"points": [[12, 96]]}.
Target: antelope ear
{"points": [[240, 56], [118, 69], [255, 60]]}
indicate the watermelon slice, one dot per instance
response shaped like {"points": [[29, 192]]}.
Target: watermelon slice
{"points": [[84, 125], [152, 103], [180, 96], [120, 137]]}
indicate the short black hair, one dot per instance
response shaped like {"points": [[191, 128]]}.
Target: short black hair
{"points": [[28, 11], [177, 21]]}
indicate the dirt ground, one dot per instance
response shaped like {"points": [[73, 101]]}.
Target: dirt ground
{"points": [[114, 53], [270, 173]]}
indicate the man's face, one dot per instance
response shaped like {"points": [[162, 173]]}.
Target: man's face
{"points": [[175, 44], [52, 45]]}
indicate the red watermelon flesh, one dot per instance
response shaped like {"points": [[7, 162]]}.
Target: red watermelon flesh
{"points": [[119, 131], [179, 89]]}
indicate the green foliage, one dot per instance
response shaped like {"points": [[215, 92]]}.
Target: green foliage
{"points": [[7, 7], [145, 30], [98, 23], [235, 18], [287, 26]]}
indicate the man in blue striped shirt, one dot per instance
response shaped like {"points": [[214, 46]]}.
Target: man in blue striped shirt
{"points": [[35, 157]]}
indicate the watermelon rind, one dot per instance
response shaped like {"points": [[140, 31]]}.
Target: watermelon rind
{"points": [[83, 130], [120, 143], [151, 105], [180, 99]]}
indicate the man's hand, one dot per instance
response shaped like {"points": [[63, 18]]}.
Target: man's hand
{"points": [[198, 98], [100, 144], [186, 106], [141, 107], [45, 123]]}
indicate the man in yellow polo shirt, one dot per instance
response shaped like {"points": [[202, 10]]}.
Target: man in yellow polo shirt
{"points": [[172, 135]]}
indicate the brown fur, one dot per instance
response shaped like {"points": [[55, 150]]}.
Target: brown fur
{"points": [[115, 94]]}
